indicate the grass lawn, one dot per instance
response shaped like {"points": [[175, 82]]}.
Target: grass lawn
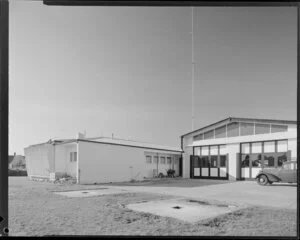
{"points": [[35, 210]]}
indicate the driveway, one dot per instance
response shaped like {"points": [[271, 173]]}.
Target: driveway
{"points": [[246, 192]]}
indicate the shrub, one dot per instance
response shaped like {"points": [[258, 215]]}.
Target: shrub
{"points": [[171, 172]]}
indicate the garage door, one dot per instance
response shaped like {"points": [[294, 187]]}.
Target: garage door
{"points": [[209, 167]]}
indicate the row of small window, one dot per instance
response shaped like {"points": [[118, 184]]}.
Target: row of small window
{"points": [[236, 129], [265, 147], [210, 150], [209, 161], [73, 156], [263, 160], [163, 160]]}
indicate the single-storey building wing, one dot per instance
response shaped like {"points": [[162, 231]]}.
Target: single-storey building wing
{"points": [[237, 148], [100, 160]]}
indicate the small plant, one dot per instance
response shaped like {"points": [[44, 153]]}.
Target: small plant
{"points": [[171, 172], [161, 175]]}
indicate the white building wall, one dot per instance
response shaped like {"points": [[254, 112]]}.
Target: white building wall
{"points": [[63, 165], [188, 151], [39, 160], [232, 150], [102, 163]]}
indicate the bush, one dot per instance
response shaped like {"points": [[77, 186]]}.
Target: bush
{"points": [[171, 172]]}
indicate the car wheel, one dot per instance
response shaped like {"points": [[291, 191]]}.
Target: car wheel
{"points": [[262, 180]]}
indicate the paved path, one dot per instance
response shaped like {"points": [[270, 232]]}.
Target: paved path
{"points": [[276, 195]]}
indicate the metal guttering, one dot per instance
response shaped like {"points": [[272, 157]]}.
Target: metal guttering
{"points": [[134, 146], [236, 119]]}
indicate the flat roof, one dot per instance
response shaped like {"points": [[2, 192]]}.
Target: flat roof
{"points": [[238, 119], [132, 143], [120, 142]]}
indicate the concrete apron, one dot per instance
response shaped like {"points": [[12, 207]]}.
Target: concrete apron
{"points": [[238, 193], [183, 209], [91, 193]]}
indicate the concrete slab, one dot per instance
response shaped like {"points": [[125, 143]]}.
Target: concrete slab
{"points": [[182, 209], [241, 192], [91, 193]]}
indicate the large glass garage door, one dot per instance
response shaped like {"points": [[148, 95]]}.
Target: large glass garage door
{"points": [[209, 162], [258, 155]]}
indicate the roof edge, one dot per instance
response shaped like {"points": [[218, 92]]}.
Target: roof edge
{"points": [[125, 145], [231, 119]]}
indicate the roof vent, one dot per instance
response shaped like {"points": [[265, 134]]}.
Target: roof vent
{"points": [[80, 135]]}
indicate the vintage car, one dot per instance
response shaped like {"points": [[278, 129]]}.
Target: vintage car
{"points": [[287, 173]]}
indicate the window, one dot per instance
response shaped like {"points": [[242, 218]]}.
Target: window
{"points": [[162, 160], [245, 160], [155, 159], [204, 162], [256, 160], [278, 128], [223, 149], [198, 137], [220, 132], [204, 151], [246, 148], [269, 147], [213, 161], [262, 128], [73, 156], [282, 146], [233, 130], [168, 160], [223, 161], [197, 151], [256, 147], [282, 157], [209, 134], [196, 162], [269, 160], [148, 160], [247, 129], [213, 150]]}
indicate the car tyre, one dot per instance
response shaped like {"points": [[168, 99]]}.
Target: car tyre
{"points": [[262, 180]]}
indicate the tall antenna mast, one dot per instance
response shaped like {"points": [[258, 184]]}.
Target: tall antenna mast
{"points": [[193, 68]]}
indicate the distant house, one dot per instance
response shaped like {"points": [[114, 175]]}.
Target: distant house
{"points": [[100, 160], [17, 162]]}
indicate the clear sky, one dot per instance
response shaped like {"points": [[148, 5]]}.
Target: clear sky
{"points": [[127, 70]]}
